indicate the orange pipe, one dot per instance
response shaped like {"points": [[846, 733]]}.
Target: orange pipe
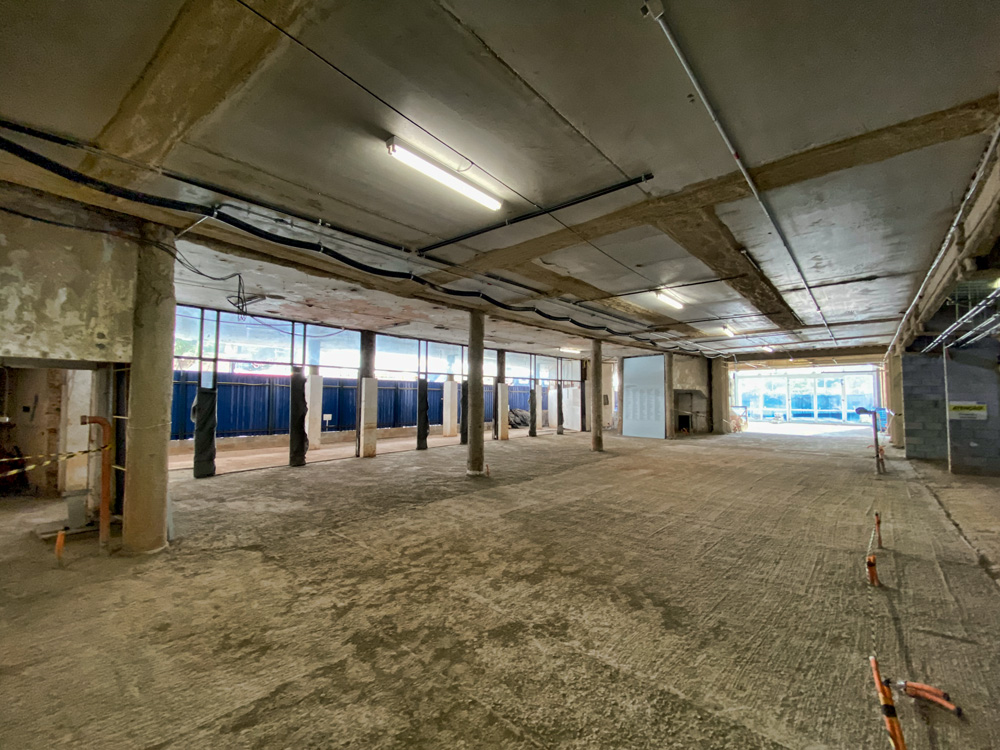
{"points": [[930, 693], [104, 522], [60, 544], [888, 709], [872, 571]]}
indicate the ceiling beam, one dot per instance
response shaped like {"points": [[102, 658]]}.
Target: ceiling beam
{"points": [[689, 205], [874, 352], [703, 234], [210, 51]]}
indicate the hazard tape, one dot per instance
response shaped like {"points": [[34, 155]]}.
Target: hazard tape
{"points": [[52, 459]]}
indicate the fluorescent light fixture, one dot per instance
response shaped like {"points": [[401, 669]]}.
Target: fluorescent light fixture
{"points": [[728, 331], [569, 350], [664, 296], [768, 348], [437, 171]]}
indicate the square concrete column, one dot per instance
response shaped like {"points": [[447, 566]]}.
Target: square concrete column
{"points": [[449, 416], [894, 378], [559, 409], [366, 370], [596, 372], [534, 398], [476, 402], [503, 407], [369, 416], [500, 378], [314, 404], [669, 404], [620, 394], [145, 510], [721, 409]]}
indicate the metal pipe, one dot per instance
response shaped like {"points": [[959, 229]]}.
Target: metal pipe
{"points": [[655, 9], [104, 519], [959, 215], [983, 304]]}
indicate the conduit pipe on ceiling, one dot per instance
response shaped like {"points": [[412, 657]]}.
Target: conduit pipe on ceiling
{"points": [[654, 8], [956, 222]]}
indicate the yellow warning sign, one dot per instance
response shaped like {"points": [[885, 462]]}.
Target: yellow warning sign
{"points": [[967, 410]]}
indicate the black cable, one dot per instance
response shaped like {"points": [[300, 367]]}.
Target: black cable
{"points": [[171, 204]]}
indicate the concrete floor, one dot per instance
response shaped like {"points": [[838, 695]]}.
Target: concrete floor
{"points": [[704, 593]]}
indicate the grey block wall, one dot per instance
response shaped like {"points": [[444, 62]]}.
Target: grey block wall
{"points": [[924, 407], [973, 376]]}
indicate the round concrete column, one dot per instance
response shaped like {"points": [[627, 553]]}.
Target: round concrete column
{"points": [[596, 397], [476, 403], [150, 392]]}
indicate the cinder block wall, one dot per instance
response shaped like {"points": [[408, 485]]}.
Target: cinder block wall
{"points": [[973, 376], [924, 407]]}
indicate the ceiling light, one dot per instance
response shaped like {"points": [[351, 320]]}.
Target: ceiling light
{"points": [[569, 350], [768, 348], [665, 296], [728, 331], [437, 171]]}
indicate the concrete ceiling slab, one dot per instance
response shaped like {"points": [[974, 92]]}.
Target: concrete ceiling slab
{"points": [[787, 75], [882, 219], [67, 65]]}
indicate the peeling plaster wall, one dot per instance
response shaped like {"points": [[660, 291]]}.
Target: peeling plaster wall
{"points": [[65, 294], [35, 410]]}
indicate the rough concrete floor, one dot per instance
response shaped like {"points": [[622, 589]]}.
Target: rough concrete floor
{"points": [[704, 593]]}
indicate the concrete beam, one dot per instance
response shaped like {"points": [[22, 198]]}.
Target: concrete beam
{"points": [[875, 146], [875, 353], [703, 234], [212, 49]]}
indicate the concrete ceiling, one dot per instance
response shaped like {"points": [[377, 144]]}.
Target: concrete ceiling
{"points": [[862, 122]]}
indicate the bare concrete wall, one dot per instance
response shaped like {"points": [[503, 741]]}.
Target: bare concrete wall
{"points": [[65, 294], [691, 374]]}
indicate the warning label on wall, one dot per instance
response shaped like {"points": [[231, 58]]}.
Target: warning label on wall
{"points": [[967, 410]]}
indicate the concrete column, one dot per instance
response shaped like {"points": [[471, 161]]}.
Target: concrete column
{"points": [[500, 378], [369, 416], [463, 417], [449, 416], [721, 410], [73, 436], [540, 405], [559, 409], [669, 403], [476, 462], [503, 407], [314, 404], [298, 441], [533, 399], [365, 370], [423, 425], [894, 378], [596, 397], [145, 512], [620, 395], [584, 392]]}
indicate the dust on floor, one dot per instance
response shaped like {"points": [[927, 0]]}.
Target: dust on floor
{"points": [[702, 593]]}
